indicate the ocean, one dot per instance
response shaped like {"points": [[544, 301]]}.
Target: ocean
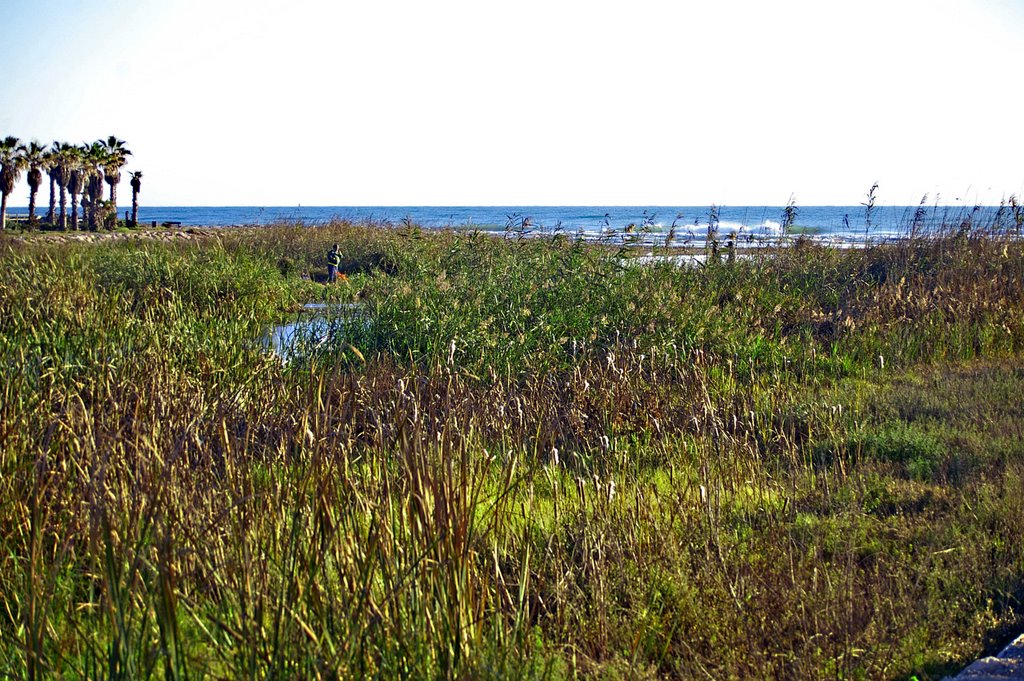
{"points": [[835, 224]]}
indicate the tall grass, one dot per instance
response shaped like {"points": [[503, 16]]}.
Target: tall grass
{"points": [[530, 458]]}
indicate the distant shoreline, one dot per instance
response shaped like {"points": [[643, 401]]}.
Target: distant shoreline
{"points": [[851, 223]]}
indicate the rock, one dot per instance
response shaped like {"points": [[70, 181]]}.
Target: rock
{"points": [[1007, 666]]}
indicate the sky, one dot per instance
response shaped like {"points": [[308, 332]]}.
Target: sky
{"points": [[534, 102]]}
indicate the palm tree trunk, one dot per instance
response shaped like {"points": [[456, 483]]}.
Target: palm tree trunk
{"points": [[135, 208], [113, 201], [3, 212], [32, 207], [74, 211], [87, 205], [94, 204], [53, 200], [63, 208]]}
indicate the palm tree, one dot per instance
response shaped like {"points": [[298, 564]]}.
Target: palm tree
{"points": [[35, 158], [95, 159], [52, 169], [136, 188], [76, 179], [117, 156], [65, 157], [12, 162]]}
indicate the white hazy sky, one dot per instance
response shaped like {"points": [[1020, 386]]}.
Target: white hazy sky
{"points": [[469, 102]]}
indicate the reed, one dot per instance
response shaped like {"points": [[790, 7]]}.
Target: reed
{"points": [[531, 457]]}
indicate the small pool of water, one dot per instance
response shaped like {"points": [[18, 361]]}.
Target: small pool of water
{"points": [[309, 329]]}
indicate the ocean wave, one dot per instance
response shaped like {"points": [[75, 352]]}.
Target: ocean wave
{"points": [[731, 227]]}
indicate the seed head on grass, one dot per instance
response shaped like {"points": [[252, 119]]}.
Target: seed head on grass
{"points": [[789, 214], [869, 207]]}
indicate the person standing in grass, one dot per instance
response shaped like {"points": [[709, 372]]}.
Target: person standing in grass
{"points": [[333, 262]]}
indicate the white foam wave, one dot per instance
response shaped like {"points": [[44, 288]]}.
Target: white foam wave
{"points": [[728, 227]]}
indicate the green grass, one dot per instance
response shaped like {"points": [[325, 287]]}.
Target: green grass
{"points": [[529, 459]]}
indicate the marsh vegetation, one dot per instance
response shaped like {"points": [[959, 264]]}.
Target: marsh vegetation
{"points": [[529, 459]]}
